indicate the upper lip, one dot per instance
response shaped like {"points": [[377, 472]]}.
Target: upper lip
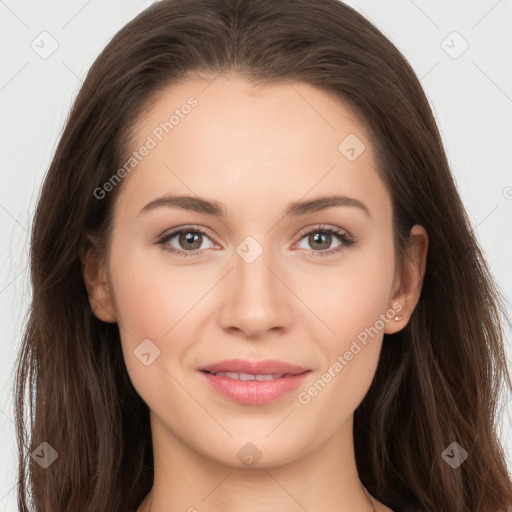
{"points": [[265, 367]]}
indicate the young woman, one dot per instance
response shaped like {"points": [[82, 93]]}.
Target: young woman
{"points": [[255, 286]]}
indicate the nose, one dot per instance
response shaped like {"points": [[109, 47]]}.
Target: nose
{"points": [[255, 297]]}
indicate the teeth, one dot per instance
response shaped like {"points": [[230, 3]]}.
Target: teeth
{"points": [[249, 376]]}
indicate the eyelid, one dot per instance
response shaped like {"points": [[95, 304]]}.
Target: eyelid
{"points": [[187, 227], [321, 227]]}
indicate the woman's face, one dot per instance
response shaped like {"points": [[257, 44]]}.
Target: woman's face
{"points": [[262, 281]]}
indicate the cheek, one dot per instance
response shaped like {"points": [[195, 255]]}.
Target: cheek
{"points": [[354, 305], [151, 296], [350, 297], [154, 309]]}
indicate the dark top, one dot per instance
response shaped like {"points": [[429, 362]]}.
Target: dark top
{"points": [[408, 507]]}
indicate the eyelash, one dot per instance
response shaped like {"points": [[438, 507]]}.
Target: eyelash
{"points": [[347, 241]]}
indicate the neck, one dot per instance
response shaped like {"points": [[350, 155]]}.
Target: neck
{"points": [[325, 478]]}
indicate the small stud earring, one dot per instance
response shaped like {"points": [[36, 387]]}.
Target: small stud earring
{"points": [[398, 318]]}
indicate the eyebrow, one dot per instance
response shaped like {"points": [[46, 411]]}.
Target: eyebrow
{"points": [[295, 209]]}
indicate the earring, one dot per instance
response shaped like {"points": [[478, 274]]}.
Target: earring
{"points": [[398, 318]]}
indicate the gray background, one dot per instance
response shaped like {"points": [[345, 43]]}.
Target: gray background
{"points": [[470, 90]]}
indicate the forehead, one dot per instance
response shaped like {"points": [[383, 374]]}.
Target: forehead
{"points": [[250, 114], [226, 137]]}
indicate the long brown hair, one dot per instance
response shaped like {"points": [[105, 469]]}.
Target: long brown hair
{"points": [[439, 380]]}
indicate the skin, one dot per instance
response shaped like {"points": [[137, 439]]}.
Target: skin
{"points": [[255, 150]]}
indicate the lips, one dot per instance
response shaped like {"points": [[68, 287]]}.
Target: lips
{"points": [[254, 383], [250, 376], [265, 367]]}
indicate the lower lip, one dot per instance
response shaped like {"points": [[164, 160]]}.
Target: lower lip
{"points": [[254, 392]]}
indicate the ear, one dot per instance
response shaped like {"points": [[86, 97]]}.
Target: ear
{"points": [[94, 274], [407, 285]]}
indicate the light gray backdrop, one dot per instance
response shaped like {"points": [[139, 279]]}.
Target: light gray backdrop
{"points": [[460, 49]]}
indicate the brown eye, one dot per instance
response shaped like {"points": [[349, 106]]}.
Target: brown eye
{"points": [[320, 240], [189, 241]]}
